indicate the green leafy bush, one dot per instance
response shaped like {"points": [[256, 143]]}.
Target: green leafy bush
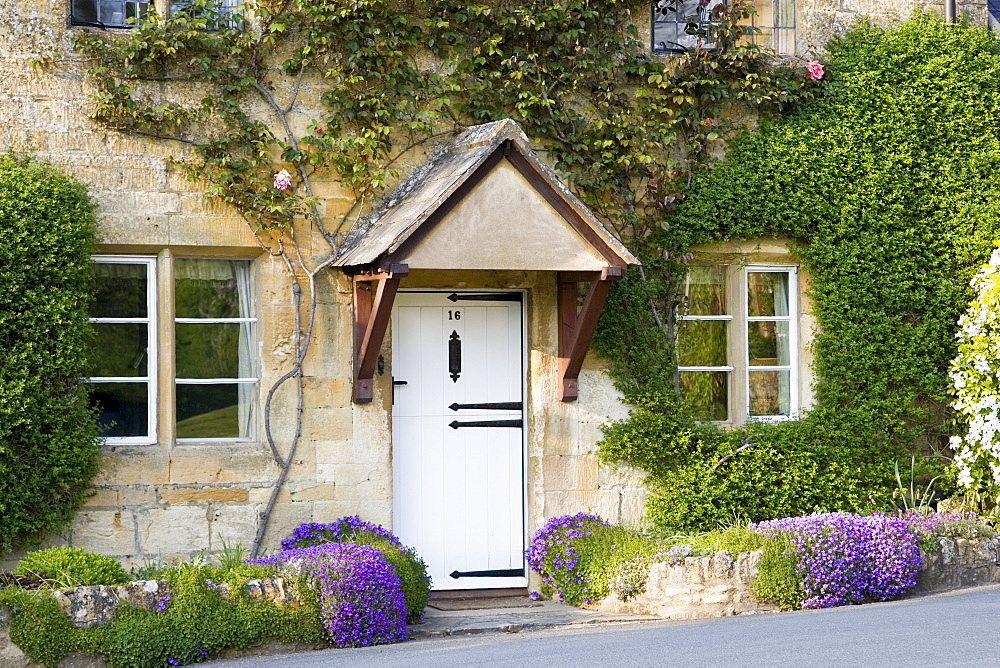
{"points": [[886, 189], [73, 567], [193, 623], [48, 445], [777, 579], [582, 558]]}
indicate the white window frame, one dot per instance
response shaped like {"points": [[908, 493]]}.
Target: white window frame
{"points": [[779, 33], [793, 339], [152, 351], [252, 320], [738, 344]]}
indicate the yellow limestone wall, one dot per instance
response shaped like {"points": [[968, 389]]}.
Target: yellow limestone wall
{"points": [[167, 500]]}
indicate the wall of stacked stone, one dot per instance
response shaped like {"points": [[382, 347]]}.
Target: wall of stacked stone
{"points": [[719, 585]]}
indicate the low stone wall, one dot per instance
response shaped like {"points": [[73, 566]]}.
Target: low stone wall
{"points": [[719, 585], [713, 586], [958, 563], [92, 606]]}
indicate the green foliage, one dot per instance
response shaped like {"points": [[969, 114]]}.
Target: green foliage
{"points": [[702, 477], [975, 388], [195, 623], [777, 579], [611, 558], [72, 567], [886, 189], [619, 124], [48, 446]]}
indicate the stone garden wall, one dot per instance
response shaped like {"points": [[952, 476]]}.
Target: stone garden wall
{"points": [[719, 585]]}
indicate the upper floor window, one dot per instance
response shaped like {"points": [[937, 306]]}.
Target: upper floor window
{"points": [[207, 349], [215, 12], [738, 342], [682, 25], [126, 13], [108, 13]]}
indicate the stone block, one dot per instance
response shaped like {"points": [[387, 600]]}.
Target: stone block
{"points": [[203, 494], [233, 525], [102, 498], [239, 463], [570, 472], [311, 492], [324, 424], [140, 466], [177, 531], [110, 532]]}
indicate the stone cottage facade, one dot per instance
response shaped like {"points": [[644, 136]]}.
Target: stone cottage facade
{"points": [[447, 394]]}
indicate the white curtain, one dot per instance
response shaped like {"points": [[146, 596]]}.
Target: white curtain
{"points": [[247, 364]]}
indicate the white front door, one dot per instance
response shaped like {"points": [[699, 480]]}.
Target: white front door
{"points": [[458, 436]]}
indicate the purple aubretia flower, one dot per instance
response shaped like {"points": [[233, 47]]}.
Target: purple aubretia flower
{"points": [[844, 558], [361, 602]]}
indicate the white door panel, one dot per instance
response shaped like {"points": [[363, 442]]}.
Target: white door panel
{"points": [[458, 494]]}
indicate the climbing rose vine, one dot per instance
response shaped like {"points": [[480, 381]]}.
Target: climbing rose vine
{"points": [[975, 383], [844, 558], [361, 602], [815, 69]]}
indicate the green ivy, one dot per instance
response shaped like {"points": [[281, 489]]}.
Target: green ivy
{"points": [[887, 189], [48, 445]]}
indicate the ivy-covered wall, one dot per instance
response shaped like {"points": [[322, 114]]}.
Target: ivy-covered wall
{"points": [[888, 189]]}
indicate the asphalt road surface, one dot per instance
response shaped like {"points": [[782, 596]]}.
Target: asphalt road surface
{"points": [[952, 629]]}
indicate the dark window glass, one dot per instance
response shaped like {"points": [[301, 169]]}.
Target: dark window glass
{"points": [[123, 408]]}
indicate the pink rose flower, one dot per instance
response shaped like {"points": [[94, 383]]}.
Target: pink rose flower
{"points": [[282, 180], [815, 70]]}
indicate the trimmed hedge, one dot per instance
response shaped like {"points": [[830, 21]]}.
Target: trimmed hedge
{"points": [[48, 434]]}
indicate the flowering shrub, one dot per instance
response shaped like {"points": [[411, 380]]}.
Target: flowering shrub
{"points": [[361, 602], [975, 383], [814, 70], [581, 558], [931, 526], [844, 558], [410, 568]]}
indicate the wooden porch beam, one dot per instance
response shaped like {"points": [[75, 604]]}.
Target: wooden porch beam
{"points": [[576, 328], [372, 311]]}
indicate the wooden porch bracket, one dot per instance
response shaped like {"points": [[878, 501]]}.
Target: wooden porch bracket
{"points": [[372, 310], [576, 326]]}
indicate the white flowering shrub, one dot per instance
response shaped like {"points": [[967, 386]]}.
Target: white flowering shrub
{"points": [[975, 383]]}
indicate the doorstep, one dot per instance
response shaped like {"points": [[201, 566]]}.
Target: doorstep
{"points": [[550, 614]]}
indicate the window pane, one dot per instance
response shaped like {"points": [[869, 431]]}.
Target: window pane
{"points": [[85, 11], [706, 289], [121, 291], [770, 393], [211, 289], [120, 350], [705, 394], [212, 350], [702, 342], [767, 293], [671, 19], [123, 408], [768, 343], [113, 12], [215, 411]]}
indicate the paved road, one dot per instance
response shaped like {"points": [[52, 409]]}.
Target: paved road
{"points": [[953, 629]]}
